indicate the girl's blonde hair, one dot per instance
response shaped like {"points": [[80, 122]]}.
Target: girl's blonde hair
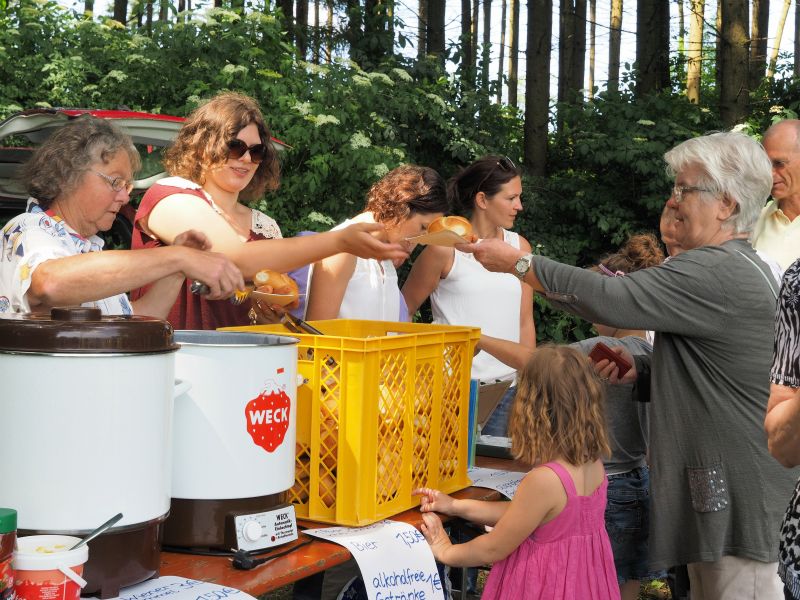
{"points": [[559, 409]]}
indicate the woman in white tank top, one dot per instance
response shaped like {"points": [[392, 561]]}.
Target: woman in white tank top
{"points": [[344, 286], [462, 291]]}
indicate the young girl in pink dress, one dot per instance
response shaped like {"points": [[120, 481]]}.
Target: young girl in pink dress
{"points": [[550, 541]]}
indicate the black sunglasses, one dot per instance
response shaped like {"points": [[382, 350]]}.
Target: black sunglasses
{"points": [[504, 163], [237, 149]]}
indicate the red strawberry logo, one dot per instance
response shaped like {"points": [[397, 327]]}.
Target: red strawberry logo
{"points": [[268, 419]]}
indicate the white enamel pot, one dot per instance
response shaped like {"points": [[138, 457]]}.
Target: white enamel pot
{"points": [[88, 405], [234, 429]]}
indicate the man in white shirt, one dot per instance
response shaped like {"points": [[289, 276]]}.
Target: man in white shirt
{"points": [[777, 232]]}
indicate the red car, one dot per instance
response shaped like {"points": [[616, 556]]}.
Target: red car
{"points": [[20, 132]]}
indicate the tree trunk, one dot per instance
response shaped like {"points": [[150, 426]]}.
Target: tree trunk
{"points": [[329, 34], [287, 8], [317, 41], [797, 39], [422, 28], [652, 46], [537, 85], [615, 39], [759, 30], [695, 50], [486, 57], [88, 8], [513, 53], [571, 50], [163, 10], [148, 25], [773, 60], [501, 58], [718, 72], [592, 44], [476, 15], [121, 11], [467, 57], [301, 27], [733, 62], [390, 25], [435, 45], [681, 31]]}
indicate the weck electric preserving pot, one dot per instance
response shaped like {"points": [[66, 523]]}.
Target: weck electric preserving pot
{"points": [[87, 406], [234, 440]]}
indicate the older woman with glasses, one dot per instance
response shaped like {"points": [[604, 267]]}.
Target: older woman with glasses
{"points": [[222, 158], [50, 255], [717, 496], [462, 292]]}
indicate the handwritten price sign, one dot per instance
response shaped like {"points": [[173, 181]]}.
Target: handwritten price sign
{"points": [[412, 574], [180, 588], [505, 482]]}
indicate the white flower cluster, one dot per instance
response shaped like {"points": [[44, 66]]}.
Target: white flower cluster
{"points": [[359, 140]]}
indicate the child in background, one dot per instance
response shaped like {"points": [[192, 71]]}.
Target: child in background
{"points": [[550, 541]]}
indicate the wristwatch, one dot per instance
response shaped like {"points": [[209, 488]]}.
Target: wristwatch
{"points": [[523, 265]]}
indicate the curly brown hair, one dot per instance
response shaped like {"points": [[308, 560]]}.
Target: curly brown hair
{"points": [[406, 191], [559, 409], [202, 142], [639, 252], [57, 166]]}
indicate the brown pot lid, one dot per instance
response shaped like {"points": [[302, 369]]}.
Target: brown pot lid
{"points": [[84, 330]]}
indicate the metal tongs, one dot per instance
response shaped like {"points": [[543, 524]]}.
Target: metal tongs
{"points": [[298, 325]]}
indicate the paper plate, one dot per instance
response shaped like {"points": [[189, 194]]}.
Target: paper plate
{"points": [[440, 238], [276, 299]]}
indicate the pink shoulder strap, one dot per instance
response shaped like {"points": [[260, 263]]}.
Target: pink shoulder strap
{"points": [[564, 476]]}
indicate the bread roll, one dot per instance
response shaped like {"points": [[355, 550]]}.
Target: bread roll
{"points": [[458, 225]]}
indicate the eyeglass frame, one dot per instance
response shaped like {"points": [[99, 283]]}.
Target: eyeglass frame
{"points": [[510, 166], [256, 157], [679, 190], [114, 182]]}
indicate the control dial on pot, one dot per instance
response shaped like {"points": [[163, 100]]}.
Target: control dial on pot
{"points": [[252, 531]]}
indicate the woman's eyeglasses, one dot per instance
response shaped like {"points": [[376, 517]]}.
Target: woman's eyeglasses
{"points": [[237, 149], [117, 183], [505, 163]]}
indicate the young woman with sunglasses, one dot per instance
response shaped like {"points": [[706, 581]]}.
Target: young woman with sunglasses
{"points": [[462, 292], [221, 159]]}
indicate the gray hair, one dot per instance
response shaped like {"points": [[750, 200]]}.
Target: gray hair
{"points": [[734, 165], [57, 166]]}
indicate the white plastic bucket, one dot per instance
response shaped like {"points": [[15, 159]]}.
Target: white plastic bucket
{"points": [[234, 430], [45, 568]]}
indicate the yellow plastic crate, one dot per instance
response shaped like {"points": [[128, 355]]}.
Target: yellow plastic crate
{"points": [[384, 410]]}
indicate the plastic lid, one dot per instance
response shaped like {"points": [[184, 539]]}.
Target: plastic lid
{"points": [[8, 520], [84, 330]]}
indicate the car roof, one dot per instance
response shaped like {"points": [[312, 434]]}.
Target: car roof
{"points": [[37, 124]]}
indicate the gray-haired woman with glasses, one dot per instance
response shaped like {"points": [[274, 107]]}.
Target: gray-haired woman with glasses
{"points": [[78, 180], [718, 497], [462, 291]]}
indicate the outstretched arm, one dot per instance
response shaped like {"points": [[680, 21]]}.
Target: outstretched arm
{"points": [[97, 275], [179, 212], [475, 511], [539, 496]]}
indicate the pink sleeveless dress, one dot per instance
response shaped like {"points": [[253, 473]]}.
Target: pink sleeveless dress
{"points": [[568, 558]]}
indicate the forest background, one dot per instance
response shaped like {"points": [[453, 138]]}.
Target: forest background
{"points": [[355, 90]]}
